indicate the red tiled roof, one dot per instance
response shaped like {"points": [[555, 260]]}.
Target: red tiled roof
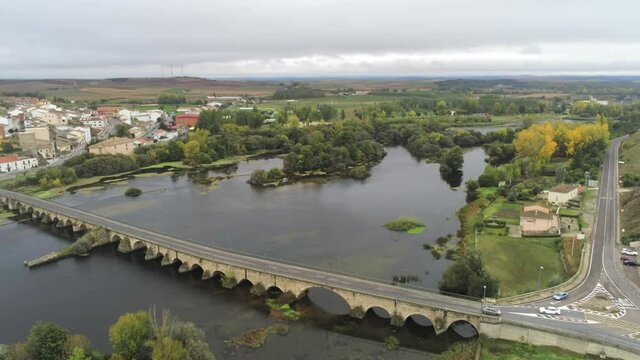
{"points": [[9, 158]]}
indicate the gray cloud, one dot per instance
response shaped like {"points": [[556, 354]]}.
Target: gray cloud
{"points": [[89, 38]]}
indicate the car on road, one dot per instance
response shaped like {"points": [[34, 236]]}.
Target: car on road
{"points": [[491, 310], [630, 262], [549, 310], [631, 252], [560, 296]]}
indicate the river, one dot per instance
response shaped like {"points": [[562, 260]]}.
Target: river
{"points": [[336, 225]]}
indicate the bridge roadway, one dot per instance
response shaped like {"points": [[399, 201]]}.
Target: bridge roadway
{"points": [[320, 277]]}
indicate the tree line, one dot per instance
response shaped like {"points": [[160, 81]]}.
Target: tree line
{"points": [[141, 336]]}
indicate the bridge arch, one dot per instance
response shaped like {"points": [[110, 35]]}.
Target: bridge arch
{"points": [[245, 283], [327, 300], [378, 311], [463, 328], [197, 267], [274, 291], [68, 223], [138, 245]]}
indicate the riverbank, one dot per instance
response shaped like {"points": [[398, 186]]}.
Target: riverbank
{"points": [[492, 349], [160, 168]]}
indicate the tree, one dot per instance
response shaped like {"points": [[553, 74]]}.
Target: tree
{"points": [[47, 341], [191, 151], [452, 160], [166, 348], [130, 333], [472, 190], [343, 115], [441, 107], [468, 276], [122, 130], [79, 354], [7, 147], [192, 338]]}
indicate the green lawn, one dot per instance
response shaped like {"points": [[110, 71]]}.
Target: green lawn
{"points": [[569, 212], [515, 262], [504, 210], [629, 154]]}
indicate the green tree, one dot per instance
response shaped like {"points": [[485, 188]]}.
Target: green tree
{"points": [[441, 107], [130, 333], [47, 341], [191, 151], [468, 276], [472, 190], [7, 147], [192, 338], [79, 354], [122, 130], [452, 160], [166, 348]]}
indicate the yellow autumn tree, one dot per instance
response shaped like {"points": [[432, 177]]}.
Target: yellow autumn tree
{"points": [[537, 142]]}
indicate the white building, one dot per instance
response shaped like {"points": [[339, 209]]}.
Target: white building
{"points": [[10, 124], [94, 122], [15, 163], [562, 193]]}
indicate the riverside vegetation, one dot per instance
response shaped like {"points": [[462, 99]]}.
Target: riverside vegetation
{"points": [[142, 335]]}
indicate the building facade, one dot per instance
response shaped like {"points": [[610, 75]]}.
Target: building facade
{"points": [[562, 193], [112, 146], [14, 162]]}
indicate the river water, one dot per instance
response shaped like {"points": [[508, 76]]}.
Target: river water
{"points": [[336, 225]]}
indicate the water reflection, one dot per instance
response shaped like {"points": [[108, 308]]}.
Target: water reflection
{"points": [[335, 225]]}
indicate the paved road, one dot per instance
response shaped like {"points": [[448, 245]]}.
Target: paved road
{"points": [[605, 267]]}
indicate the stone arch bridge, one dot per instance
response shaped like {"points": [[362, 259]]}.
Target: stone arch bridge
{"points": [[360, 294]]}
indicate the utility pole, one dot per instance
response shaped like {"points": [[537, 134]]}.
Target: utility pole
{"points": [[540, 276]]}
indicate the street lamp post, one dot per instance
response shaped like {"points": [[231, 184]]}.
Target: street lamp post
{"points": [[540, 276], [484, 292]]}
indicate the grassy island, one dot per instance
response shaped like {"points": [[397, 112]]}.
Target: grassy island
{"points": [[404, 223]]}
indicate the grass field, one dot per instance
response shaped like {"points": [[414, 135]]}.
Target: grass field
{"points": [[629, 154], [515, 262], [504, 210]]}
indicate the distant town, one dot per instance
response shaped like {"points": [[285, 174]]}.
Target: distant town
{"points": [[48, 134]]}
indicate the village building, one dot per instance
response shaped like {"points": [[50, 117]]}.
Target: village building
{"points": [[38, 141], [188, 120], [109, 111], [94, 122], [536, 220], [560, 194], [14, 162], [112, 146]]}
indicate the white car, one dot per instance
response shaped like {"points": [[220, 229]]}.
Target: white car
{"points": [[549, 310], [629, 252]]}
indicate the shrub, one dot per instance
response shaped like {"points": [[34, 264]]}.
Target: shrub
{"points": [[391, 342], [133, 192], [359, 172], [81, 246], [404, 223]]}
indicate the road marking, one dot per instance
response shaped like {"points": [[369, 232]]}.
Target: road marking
{"points": [[558, 318]]}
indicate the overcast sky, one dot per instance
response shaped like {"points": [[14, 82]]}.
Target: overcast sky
{"points": [[113, 38]]}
